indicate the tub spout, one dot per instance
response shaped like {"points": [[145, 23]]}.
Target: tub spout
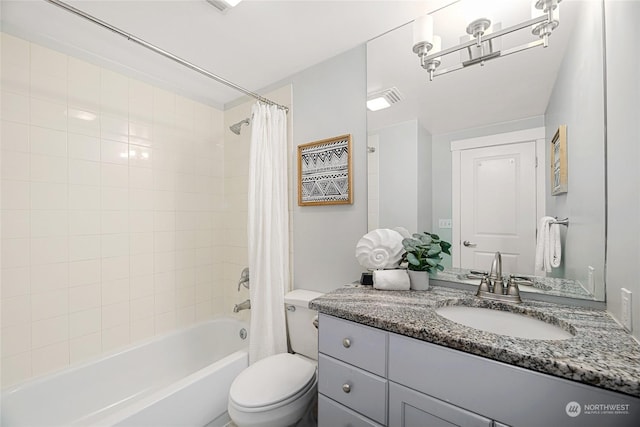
{"points": [[244, 305]]}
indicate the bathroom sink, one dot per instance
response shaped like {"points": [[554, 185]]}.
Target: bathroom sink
{"points": [[503, 323]]}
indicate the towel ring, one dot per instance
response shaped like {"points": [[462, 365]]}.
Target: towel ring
{"points": [[561, 221]]}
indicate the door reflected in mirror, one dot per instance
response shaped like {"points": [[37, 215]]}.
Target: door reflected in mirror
{"points": [[467, 155]]}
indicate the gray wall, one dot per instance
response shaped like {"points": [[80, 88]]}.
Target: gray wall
{"points": [[329, 100], [577, 100], [405, 176], [623, 156], [425, 181]]}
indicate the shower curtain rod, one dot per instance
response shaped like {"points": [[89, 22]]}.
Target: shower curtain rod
{"points": [[164, 53]]}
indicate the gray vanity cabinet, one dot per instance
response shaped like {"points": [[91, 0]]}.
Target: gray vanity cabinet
{"points": [[370, 377], [352, 367], [409, 408]]}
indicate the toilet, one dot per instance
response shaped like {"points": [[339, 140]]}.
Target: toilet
{"points": [[281, 390]]}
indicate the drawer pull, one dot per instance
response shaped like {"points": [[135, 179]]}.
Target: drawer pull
{"points": [[346, 343], [346, 388]]}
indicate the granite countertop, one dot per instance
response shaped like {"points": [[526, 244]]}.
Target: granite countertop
{"points": [[600, 353]]}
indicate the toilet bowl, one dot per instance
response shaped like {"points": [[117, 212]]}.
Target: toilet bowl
{"points": [[273, 392], [281, 390]]}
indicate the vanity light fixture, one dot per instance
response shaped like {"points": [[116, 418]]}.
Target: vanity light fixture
{"points": [[383, 99], [545, 19]]}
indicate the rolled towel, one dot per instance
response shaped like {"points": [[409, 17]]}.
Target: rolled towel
{"points": [[391, 280]]}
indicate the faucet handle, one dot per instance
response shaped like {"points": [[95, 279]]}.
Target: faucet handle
{"points": [[513, 288]]}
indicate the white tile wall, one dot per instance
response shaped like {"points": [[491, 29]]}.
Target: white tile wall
{"points": [[112, 210]]}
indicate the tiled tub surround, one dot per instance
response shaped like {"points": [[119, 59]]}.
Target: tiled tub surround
{"points": [[113, 211], [600, 353]]}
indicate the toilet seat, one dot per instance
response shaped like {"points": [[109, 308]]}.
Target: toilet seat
{"points": [[272, 382]]}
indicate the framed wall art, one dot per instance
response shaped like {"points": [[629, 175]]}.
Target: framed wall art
{"points": [[324, 172], [558, 165]]}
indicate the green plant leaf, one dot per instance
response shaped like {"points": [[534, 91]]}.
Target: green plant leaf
{"points": [[435, 250], [412, 259], [432, 262]]}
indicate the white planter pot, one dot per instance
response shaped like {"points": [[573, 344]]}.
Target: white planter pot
{"points": [[419, 280]]}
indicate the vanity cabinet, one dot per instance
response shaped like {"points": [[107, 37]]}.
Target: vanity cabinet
{"points": [[409, 408], [352, 366], [370, 377]]}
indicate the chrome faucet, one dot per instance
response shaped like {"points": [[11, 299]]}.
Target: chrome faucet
{"points": [[495, 275], [492, 286], [244, 278], [244, 305]]}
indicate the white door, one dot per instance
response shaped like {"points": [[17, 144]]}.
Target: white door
{"points": [[498, 207]]}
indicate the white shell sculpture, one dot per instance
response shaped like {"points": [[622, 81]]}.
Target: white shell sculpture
{"points": [[380, 248]]}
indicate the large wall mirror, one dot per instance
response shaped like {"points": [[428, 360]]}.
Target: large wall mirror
{"points": [[460, 154]]}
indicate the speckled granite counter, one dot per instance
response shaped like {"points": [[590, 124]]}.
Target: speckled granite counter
{"points": [[600, 353]]}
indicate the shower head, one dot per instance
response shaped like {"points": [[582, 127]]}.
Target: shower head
{"points": [[236, 127]]}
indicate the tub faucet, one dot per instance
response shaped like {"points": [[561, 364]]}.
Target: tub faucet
{"points": [[244, 305], [244, 278]]}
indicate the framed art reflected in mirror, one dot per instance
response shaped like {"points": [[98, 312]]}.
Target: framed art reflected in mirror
{"points": [[558, 164]]}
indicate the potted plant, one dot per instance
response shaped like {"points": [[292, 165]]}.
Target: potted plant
{"points": [[423, 255]]}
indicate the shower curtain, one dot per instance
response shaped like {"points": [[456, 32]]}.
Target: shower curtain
{"points": [[268, 231]]}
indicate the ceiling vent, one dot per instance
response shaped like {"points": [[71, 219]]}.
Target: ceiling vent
{"points": [[383, 99], [223, 5]]}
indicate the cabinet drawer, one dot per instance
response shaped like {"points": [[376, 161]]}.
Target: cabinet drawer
{"points": [[359, 390], [358, 345], [408, 408], [332, 414]]}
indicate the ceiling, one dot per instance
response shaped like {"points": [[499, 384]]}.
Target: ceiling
{"points": [[261, 42], [505, 89], [255, 44]]}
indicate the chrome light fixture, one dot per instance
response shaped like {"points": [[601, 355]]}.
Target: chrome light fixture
{"points": [[481, 47]]}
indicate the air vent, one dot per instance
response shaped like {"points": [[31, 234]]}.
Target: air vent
{"points": [[383, 99], [223, 5]]}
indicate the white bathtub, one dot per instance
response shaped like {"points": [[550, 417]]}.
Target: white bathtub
{"points": [[179, 379]]}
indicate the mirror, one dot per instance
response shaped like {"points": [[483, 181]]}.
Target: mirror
{"points": [[416, 181]]}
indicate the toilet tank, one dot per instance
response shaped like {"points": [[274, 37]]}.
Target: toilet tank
{"points": [[303, 335]]}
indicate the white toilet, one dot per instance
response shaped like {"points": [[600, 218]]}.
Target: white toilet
{"points": [[280, 390]]}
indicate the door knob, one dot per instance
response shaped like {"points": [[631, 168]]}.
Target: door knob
{"points": [[469, 244]]}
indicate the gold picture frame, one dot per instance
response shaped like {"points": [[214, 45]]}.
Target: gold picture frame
{"points": [[558, 165], [324, 172]]}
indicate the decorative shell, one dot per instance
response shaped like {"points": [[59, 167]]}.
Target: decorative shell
{"points": [[380, 248]]}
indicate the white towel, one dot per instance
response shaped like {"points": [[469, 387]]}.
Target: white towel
{"points": [[548, 246], [391, 280]]}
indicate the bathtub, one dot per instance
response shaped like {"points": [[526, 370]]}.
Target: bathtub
{"points": [[179, 379]]}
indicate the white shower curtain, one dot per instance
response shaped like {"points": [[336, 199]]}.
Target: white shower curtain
{"points": [[268, 230]]}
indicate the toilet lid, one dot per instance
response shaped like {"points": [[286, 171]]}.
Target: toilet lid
{"points": [[272, 380]]}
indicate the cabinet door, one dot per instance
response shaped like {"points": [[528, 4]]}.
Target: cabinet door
{"points": [[409, 408], [332, 414]]}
